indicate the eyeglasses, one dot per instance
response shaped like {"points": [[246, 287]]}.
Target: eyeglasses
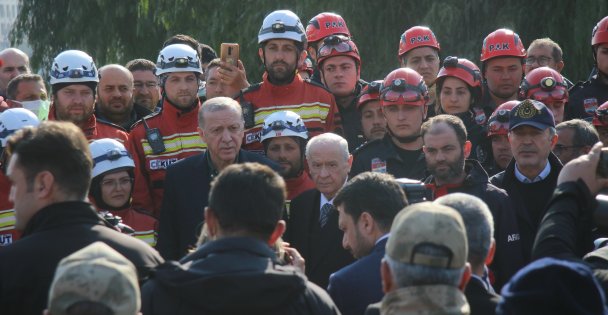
{"points": [[339, 43], [399, 89], [558, 149], [113, 183], [147, 85], [541, 60]]}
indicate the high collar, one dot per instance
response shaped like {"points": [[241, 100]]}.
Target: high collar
{"points": [[250, 245], [281, 90], [62, 214], [172, 110]]}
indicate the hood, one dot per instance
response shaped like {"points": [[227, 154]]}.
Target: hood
{"points": [[235, 275]]}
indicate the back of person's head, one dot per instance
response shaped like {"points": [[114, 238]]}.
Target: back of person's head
{"points": [[552, 286], [207, 53], [59, 148], [96, 280], [427, 246], [478, 221], [248, 199], [183, 39], [375, 193]]}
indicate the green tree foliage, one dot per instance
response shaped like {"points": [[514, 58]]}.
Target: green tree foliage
{"points": [[118, 31]]}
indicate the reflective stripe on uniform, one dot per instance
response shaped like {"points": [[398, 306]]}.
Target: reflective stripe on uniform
{"points": [[176, 144], [7, 220]]}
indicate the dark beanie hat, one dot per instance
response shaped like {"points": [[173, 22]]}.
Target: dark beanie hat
{"points": [[552, 286]]}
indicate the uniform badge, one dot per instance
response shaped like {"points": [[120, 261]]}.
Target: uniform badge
{"points": [[378, 165], [590, 105], [527, 110], [480, 116]]}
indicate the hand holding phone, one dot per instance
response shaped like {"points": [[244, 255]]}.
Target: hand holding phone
{"points": [[230, 53]]}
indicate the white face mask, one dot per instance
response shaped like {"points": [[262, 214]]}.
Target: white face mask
{"points": [[39, 107]]}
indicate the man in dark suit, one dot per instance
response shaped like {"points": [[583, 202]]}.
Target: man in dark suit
{"points": [[312, 228], [479, 224], [187, 182], [367, 205]]}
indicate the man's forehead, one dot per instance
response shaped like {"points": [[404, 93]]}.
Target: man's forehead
{"points": [[281, 42], [540, 50], [143, 74]]}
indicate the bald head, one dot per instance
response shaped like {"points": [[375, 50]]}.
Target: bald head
{"points": [[115, 93], [13, 63]]}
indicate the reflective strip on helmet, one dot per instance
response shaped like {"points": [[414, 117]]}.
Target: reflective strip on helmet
{"points": [[177, 143], [111, 155], [74, 74], [283, 29]]}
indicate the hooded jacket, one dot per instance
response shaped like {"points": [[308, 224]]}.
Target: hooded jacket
{"points": [[232, 275]]}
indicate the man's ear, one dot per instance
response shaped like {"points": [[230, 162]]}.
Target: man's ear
{"points": [[279, 229], [261, 54], [212, 223], [467, 149], [388, 284], [466, 276], [44, 184], [366, 221], [559, 66], [491, 252]]}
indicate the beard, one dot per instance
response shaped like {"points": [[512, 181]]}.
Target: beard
{"points": [[454, 169], [293, 171], [281, 76]]}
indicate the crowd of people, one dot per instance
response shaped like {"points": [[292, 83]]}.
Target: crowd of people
{"points": [[178, 187]]}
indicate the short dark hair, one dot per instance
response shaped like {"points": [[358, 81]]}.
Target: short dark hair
{"points": [[13, 85], [207, 53], [184, 39], [58, 147], [141, 65], [450, 120], [260, 203], [556, 50], [584, 132], [375, 193], [213, 63]]}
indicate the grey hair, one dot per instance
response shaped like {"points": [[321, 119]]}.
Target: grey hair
{"points": [[407, 275], [331, 139], [478, 222], [584, 132], [217, 104]]}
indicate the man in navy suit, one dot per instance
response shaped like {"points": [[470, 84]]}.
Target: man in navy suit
{"points": [[367, 205], [221, 126], [312, 227]]}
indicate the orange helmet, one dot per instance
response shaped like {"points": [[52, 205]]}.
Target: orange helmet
{"points": [[462, 69], [498, 124], [325, 24], [600, 119], [337, 45], [544, 84], [404, 86], [370, 92], [417, 36], [502, 43]]}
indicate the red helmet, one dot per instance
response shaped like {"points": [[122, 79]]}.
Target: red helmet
{"points": [[498, 123], [600, 119], [600, 32], [502, 43], [544, 84], [370, 92], [417, 36], [462, 69], [325, 24], [404, 86], [337, 45]]}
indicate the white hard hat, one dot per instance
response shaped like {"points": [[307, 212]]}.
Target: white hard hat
{"points": [[73, 66], [14, 119], [109, 154], [178, 58], [283, 124], [282, 24]]}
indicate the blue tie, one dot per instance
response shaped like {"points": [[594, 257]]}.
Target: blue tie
{"points": [[325, 211]]}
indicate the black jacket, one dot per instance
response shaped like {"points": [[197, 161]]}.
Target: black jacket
{"points": [[383, 152], [54, 232], [182, 213], [585, 98], [350, 117], [236, 275], [509, 255], [480, 300]]}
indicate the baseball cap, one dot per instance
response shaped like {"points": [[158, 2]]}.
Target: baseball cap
{"points": [[96, 273], [428, 224], [532, 113]]}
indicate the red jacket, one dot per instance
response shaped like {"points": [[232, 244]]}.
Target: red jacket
{"points": [[312, 102], [94, 129], [181, 140], [145, 225], [296, 186]]}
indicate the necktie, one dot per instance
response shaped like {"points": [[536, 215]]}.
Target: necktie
{"points": [[325, 211]]}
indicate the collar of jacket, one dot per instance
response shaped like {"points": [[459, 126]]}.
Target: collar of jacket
{"points": [[171, 109], [392, 149], [61, 214], [281, 90], [556, 166], [249, 245]]}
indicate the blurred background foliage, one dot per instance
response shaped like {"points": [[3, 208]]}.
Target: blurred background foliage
{"points": [[118, 31]]}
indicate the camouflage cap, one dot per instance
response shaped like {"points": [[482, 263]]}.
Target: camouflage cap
{"points": [[428, 224], [96, 273]]}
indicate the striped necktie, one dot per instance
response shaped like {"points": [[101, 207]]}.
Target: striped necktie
{"points": [[325, 211]]}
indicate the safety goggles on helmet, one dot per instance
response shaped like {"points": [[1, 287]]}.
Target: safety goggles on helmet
{"points": [[602, 115], [280, 27], [111, 155], [179, 63], [279, 125], [399, 89], [499, 122], [339, 43], [74, 74], [452, 62], [549, 90], [372, 88]]}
